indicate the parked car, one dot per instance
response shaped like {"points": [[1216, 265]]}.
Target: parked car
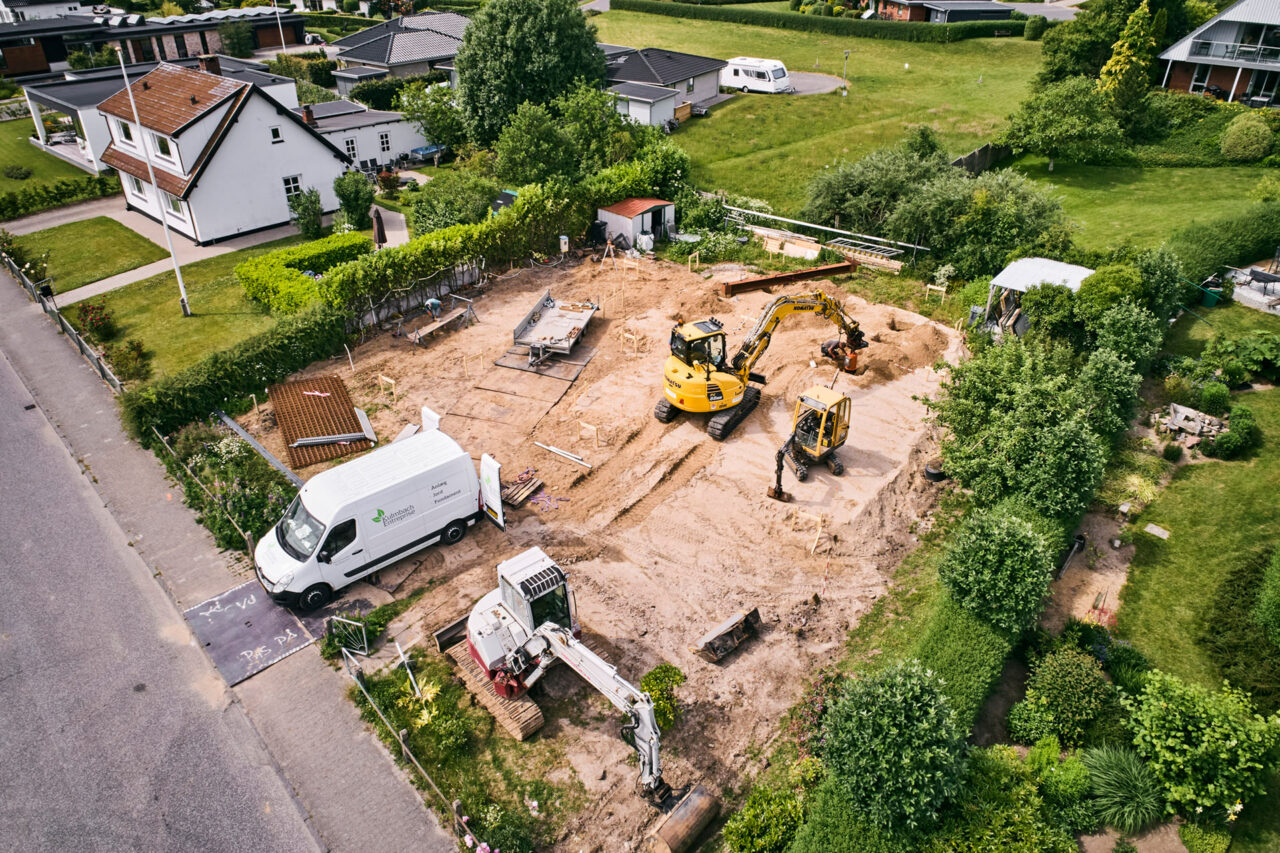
{"points": [[102, 10], [749, 74]]}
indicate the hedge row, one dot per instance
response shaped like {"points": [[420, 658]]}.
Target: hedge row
{"points": [[967, 653], [891, 30], [224, 379], [322, 21], [62, 191], [1237, 239], [279, 279]]}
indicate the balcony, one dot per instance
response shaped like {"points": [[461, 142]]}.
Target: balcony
{"points": [[1235, 52]]}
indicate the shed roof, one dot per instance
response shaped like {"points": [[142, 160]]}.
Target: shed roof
{"points": [[1027, 273], [630, 208], [170, 98], [643, 92]]}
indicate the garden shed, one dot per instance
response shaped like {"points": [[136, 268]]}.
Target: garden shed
{"points": [[1004, 296], [632, 217]]}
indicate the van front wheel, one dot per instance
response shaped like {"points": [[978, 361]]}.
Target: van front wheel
{"points": [[453, 533], [314, 597]]}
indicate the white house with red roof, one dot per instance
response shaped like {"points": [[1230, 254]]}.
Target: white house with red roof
{"points": [[227, 156]]}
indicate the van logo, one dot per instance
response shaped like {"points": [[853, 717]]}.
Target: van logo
{"points": [[377, 519], [386, 520]]}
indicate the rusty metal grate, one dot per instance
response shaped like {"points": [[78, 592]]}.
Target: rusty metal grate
{"points": [[303, 415]]}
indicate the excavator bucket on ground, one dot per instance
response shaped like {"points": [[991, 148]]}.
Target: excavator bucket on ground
{"points": [[686, 822], [727, 636]]}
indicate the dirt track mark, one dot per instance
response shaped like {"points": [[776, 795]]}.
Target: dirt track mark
{"points": [[691, 463]]}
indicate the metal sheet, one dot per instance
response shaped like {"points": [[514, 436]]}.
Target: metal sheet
{"points": [[245, 632]]}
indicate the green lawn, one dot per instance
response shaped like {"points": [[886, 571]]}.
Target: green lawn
{"points": [[91, 250], [1113, 204], [769, 146], [1189, 335], [14, 148], [221, 315]]}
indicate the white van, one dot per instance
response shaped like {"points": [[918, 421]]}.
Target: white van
{"points": [[367, 513], [748, 74]]}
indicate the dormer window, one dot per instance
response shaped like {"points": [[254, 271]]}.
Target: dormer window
{"points": [[126, 133], [163, 147]]}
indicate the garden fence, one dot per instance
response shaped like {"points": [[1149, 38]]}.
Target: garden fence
{"points": [[400, 302], [981, 159], [458, 823], [51, 308]]}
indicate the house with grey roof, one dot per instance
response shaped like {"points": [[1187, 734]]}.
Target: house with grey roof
{"points": [[652, 105], [943, 11], [1235, 55], [35, 10], [404, 46], [696, 79], [375, 140]]}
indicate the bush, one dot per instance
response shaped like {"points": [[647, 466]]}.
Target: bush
{"points": [[804, 720], [1209, 750], [503, 829], [1172, 452], [766, 823], [18, 203], [355, 197], [383, 94], [1199, 838], [129, 361], [452, 198], [998, 566], [813, 22], [15, 172], [310, 93], [1242, 436], [661, 683], [1065, 786], [1247, 139], [280, 279], [1267, 611], [1235, 239], [967, 654], [96, 320], [306, 211], [1215, 399], [1035, 27], [1067, 691], [225, 379], [834, 825], [892, 743], [1128, 795]]}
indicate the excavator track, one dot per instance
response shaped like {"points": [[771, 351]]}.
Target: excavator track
{"points": [[519, 717], [722, 424]]}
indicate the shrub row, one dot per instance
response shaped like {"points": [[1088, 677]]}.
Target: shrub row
{"points": [[1233, 240], [62, 191], [968, 653], [279, 279], [329, 21], [891, 30], [225, 379]]}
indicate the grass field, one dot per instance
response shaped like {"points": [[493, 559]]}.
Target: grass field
{"points": [[14, 148], [90, 250], [769, 146], [1189, 335], [221, 315], [1113, 204]]}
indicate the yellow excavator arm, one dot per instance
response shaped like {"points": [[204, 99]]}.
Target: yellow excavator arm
{"points": [[784, 306]]}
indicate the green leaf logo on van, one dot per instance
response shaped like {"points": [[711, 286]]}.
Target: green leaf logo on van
{"points": [[377, 519]]}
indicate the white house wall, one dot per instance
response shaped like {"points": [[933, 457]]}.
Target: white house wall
{"points": [[40, 12], [156, 206], [404, 137], [96, 135], [243, 187]]}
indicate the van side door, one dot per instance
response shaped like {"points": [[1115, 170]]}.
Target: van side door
{"points": [[341, 555], [491, 490]]}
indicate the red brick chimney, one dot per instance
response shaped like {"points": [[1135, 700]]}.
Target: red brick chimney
{"points": [[209, 64], [308, 115]]}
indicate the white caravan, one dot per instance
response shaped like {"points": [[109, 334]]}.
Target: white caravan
{"points": [[748, 74], [367, 513]]}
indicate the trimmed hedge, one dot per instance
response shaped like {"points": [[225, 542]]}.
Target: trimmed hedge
{"points": [[890, 30], [321, 21], [967, 653], [225, 379], [62, 191], [1234, 240], [279, 280]]}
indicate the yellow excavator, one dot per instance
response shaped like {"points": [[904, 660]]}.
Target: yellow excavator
{"points": [[700, 377], [819, 427]]}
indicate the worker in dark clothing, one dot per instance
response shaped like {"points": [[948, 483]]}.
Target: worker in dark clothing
{"points": [[839, 352], [434, 306]]}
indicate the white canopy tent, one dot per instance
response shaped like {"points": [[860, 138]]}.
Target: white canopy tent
{"points": [[1027, 273]]}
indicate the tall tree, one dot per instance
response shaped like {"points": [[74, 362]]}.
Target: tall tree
{"points": [[1068, 120], [1082, 46], [1126, 77], [533, 148], [518, 51], [433, 110]]}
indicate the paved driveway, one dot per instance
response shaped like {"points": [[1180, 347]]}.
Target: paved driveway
{"points": [[809, 83]]}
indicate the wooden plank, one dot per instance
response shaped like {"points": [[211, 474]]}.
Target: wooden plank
{"points": [[422, 332], [520, 718]]}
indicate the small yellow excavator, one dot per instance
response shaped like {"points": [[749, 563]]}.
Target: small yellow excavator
{"points": [[819, 427], [700, 377]]}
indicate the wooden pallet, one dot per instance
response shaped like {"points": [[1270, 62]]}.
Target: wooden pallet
{"points": [[520, 717], [517, 493]]}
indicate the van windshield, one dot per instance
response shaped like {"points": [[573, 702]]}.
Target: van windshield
{"points": [[298, 532], [779, 73]]}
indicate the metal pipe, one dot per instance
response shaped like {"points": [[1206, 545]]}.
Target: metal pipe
{"points": [[824, 228], [558, 452]]}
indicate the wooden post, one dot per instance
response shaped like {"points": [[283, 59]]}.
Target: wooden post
{"points": [[387, 380], [694, 258], [583, 426]]}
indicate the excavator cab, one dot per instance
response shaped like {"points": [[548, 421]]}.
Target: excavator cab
{"points": [[701, 343], [821, 421]]}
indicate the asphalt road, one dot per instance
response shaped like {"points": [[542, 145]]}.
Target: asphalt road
{"points": [[116, 733]]}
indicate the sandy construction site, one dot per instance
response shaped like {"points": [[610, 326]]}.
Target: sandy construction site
{"points": [[670, 532]]}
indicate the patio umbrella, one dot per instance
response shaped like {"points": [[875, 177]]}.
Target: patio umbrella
{"points": [[379, 232]]}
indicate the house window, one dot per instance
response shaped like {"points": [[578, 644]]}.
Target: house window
{"points": [[351, 147], [136, 184], [126, 132], [204, 42], [384, 142], [276, 135], [1199, 78], [688, 86], [292, 186], [162, 146], [175, 203], [160, 47], [180, 43]]}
